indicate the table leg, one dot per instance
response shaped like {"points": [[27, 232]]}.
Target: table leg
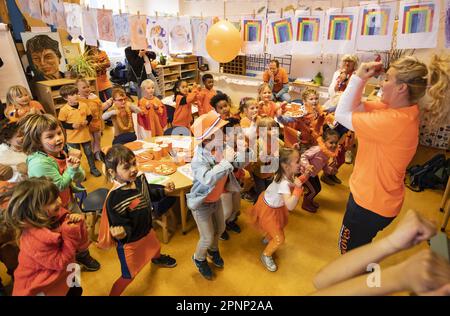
{"points": [[445, 196], [183, 211]]}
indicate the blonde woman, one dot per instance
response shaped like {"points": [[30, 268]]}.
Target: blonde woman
{"points": [[387, 133]]}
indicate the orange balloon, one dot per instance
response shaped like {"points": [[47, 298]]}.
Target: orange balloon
{"points": [[223, 42]]}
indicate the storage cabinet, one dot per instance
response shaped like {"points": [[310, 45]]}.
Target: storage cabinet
{"points": [[47, 92], [168, 74]]}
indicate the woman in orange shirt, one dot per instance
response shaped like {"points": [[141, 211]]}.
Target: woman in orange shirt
{"points": [[184, 100], [387, 133], [19, 104]]}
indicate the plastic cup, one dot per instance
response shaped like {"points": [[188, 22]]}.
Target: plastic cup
{"points": [[164, 150], [181, 157], [157, 152]]}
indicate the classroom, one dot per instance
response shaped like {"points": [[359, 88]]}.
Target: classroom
{"points": [[224, 148]]}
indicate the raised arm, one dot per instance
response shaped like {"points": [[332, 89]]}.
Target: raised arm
{"points": [[351, 98]]}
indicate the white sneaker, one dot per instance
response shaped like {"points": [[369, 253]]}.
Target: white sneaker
{"points": [[348, 156], [268, 263]]}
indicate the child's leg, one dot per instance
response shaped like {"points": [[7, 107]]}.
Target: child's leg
{"points": [[119, 286], [227, 205], [96, 138], [219, 226], [277, 239], [206, 229], [90, 158], [314, 188]]}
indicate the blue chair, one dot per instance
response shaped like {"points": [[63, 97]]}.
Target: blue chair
{"points": [[178, 130]]}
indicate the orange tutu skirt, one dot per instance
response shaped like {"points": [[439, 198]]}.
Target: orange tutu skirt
{"points": [[134, 256], [268, 219]]}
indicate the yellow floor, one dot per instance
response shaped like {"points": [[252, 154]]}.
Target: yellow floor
{"points": [[311, 242]]}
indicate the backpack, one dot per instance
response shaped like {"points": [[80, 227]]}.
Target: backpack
{"points": [[431, 175]]}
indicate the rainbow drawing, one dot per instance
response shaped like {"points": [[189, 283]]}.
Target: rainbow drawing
{"points": [[340, 27], [282, 31], [308, 29], [418, 18], [375, 21], [252, 30]]}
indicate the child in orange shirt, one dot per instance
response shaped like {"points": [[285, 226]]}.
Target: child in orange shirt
{"points": [[206, 94], [270, 213], [183, 100], [266, 106], [121, 117], [49, 240], [97, 107], [19, 103], [248, 108], [152, 110], [75, 117]]}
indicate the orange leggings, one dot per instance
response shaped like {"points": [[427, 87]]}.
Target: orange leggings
{"points": [[276, 239]]}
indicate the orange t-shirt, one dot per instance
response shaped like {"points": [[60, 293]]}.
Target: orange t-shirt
{"points": [[13, 115], [96, 107], [204, 99], [148, 118], [183, 110], [103, 82], [78, 115], [280, 79], [245, 122], [269, 109], [387, 141]]}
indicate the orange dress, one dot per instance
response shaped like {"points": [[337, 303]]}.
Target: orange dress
{"points": [[149, 118], [183, 110]]}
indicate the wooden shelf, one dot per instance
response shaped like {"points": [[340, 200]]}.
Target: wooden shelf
{"points": [[47, 92], [168, 74]]}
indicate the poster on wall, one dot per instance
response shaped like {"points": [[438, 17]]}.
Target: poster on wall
{"points": [[121, 30], [180, 36], [105, 25], [308, 32], [138, 29], [376, 27], [158, 35], [46, 11], [44, 52], [200, 28], [447, 25], [35, 8], [89, 17], [340, 30], [281, 36], [73, 19], [252, 32], [24, 6], [418, 24], [59, 14]]}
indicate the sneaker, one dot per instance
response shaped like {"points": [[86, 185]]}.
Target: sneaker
{"points": [[269, 263], [109, 123], [216, 258], [95, 172], [326, 179], [248, 197], [335, 179], [233, 227], [165, 261], [307, 205], [348, 156], [203, 268], [315, 204], [87, 262], [224, 236]]}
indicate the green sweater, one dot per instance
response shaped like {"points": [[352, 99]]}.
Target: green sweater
{"points": [[40, 164]]}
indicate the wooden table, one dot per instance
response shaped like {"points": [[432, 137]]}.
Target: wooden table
{"points": [[182, 186]]}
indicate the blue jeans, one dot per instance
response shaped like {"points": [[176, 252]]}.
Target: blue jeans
{"points": [[210, 224], [284, 97]]}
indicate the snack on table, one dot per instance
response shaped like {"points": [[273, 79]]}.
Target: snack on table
{"points": [[134, 146]]}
